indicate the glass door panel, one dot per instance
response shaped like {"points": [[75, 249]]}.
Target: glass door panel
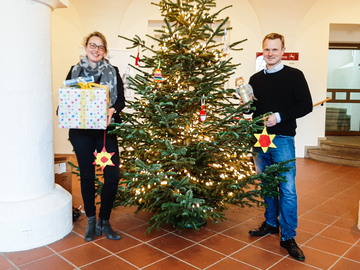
{"points": [[343, 84], [343, 69]]}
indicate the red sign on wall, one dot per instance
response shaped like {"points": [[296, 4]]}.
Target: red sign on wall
{"points": [[288, 56]]}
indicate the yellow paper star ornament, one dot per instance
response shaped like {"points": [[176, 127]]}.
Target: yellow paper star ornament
{"points": [[264, 140], [103, 159]]}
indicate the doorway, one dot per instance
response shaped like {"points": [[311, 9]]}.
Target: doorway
{"points": [[343, 83]]}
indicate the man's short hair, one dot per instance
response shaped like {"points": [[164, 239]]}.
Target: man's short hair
{"points": [[275, 36]]}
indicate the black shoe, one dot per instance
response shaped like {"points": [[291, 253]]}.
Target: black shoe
{"points": [[293, 249], [90, 229], [263, 230], [103, 226]]}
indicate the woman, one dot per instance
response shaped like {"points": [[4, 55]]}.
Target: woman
{"points": [[86, 141]]}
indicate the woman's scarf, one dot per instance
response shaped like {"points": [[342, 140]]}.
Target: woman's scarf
{"points": [[103, 71]]}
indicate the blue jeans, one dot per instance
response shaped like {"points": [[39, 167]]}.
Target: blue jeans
{"points": [[285, 206]]}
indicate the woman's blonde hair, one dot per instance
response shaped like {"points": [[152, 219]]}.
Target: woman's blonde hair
{"points": [[96, 34]]}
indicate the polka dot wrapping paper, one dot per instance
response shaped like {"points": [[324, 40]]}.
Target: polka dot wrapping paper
{"points": [[82, 108]]}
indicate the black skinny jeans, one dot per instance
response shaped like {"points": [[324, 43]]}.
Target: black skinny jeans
{"points": [[85, 141]]}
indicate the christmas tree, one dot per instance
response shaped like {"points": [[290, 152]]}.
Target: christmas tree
{"points": [[186, 147]]}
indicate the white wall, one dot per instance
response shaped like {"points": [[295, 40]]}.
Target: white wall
{"points": [[305, 25]]}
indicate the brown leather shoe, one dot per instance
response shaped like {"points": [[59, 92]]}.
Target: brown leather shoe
{"points": [[293, 249], [263, 230]]}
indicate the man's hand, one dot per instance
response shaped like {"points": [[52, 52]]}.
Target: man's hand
{"points": [[271, 121]]}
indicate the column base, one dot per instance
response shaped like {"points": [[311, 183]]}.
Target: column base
{"points": [[34, 223]]}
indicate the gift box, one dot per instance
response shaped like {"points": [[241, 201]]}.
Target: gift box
{"points": [[83, 108]]}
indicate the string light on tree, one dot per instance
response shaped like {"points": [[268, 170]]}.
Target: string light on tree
{"points": [[188, 158]]}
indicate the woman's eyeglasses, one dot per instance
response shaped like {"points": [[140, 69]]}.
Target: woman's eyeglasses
{"points": [[94, 46]]}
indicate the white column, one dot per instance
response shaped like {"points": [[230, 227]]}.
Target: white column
{"points": [[33, 211]]}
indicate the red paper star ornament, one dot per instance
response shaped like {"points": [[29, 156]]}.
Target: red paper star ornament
{"points": [[264, 140], [103, 159]]}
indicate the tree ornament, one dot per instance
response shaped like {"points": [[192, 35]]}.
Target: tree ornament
{"points": [[137, 60], [226, 48], [103, 158], [157, 75], [264, 140], [202, 116], [129, 94], [245, 91]]}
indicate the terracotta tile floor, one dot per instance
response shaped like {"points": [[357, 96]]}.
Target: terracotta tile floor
{"points": [[328, 198]]}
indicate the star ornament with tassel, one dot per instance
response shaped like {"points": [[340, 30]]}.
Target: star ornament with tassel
{"points": [[264, 140], [103, 159]]}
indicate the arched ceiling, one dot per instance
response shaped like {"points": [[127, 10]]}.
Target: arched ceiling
{"points": [[98, 15], [284, 16], [273, 15], [278, 11], [95, 13]]}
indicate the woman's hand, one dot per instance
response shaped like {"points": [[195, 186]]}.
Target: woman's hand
{"points": [[110, 114]]}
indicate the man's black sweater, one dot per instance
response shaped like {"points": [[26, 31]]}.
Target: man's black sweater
{"points": [[285, 92]]}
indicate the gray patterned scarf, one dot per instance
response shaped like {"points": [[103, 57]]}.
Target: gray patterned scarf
{"points": [[103, 71]]}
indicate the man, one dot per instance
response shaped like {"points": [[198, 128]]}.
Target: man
{"points": [[283, 91]]}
